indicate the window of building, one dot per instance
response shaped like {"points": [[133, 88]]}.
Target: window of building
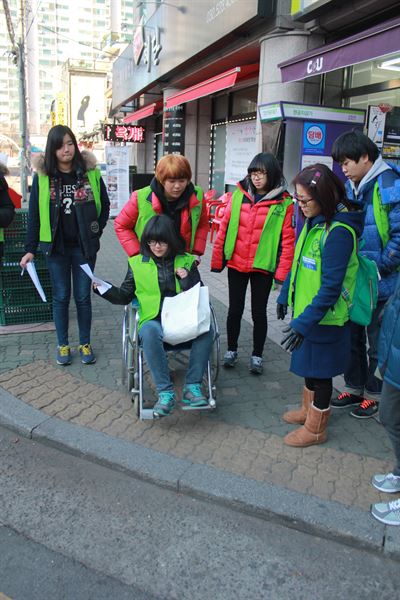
{"points": [[244, 102]]}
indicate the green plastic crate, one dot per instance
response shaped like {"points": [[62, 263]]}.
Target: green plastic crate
{"points": [[15, 233], [20, 303]]}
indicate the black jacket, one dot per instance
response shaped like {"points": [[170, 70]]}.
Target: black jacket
{"points": [[166, 280], [90, 227], [7, 209]]}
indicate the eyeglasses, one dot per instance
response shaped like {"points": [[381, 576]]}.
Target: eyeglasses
{"points": [[258, 174], [157, 242], [302, 200]]}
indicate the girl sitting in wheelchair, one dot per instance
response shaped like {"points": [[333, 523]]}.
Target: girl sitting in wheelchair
{"points": [[163, 269]]}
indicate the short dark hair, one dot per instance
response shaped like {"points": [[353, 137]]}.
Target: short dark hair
{"points": [[161, 228], [54, 142], [324, 186], [268, 163], [353, 145]]}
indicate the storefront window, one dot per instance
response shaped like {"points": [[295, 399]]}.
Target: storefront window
{"points": [[220, 108], [244, 102], [373, 82], [375, 87], [218, 158]]}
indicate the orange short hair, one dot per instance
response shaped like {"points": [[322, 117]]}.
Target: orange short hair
{"points": [[173, 166]]}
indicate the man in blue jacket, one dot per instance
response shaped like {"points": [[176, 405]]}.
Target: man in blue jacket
{"points": [[389, 407], [375, 185]]}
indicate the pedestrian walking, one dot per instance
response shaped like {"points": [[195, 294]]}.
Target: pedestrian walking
{"points": [[171, 192], [375, 186], [325, 261], [68, 210], [163, 268], [256, 242], [389, 406], [7, 209]]}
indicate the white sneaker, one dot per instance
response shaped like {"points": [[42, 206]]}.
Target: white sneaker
{"points": [[230, 358], [256, 365], [386, 482], [387, 512]]}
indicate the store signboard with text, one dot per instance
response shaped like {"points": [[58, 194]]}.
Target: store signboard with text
{"points": [[124, 133], [174, 34], [117, 169]]}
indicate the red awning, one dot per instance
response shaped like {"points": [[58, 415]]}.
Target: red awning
{"points": [[210, 86], [142, 113]]}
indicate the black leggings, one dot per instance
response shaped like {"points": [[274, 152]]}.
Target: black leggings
{"points": [[260, 288], [323, 391]]}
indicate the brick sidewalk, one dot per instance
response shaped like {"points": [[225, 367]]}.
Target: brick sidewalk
{"points": [[244, 436]]}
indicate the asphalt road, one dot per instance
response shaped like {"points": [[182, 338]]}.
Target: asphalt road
{"points": [[70, 529]]}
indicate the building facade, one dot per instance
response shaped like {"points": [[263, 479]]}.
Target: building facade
{"points": [[198, 74], [54, 33]]}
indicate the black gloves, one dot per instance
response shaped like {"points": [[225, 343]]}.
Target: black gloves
{"points": [[292, 339], [281, 311]]}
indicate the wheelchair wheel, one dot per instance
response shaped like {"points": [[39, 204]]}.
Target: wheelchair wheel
{"points": [[128, 349], [215, 353]]}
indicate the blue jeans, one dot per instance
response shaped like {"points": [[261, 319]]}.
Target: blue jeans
{"points": [[61, 267], [389, 415], [151, 337], [360, 374]]}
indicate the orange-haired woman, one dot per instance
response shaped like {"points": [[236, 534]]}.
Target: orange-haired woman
{"points": [[171, 192]]}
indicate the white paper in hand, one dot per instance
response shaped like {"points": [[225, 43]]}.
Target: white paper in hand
{"points": [[102, 286], [30, 267]]}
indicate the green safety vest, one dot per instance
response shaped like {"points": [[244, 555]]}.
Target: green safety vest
{"points": [[145, 274], [268, 245], [380, 215], [146, 212], [93, 176], [306, 274], [1, 234]]}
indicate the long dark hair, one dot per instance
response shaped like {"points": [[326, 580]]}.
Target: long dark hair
{"points": [[54, 142], [325, 187], [161, 228], [268, 163]]}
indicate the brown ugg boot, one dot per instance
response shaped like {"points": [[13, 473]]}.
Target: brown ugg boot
{"points": [[313, 430], [298, 415]]}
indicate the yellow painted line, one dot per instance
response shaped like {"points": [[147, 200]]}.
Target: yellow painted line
{"points": [[4, 597]]}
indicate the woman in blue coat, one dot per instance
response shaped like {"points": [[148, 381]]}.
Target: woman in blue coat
{"points": [[319, 333], [389, 406]]}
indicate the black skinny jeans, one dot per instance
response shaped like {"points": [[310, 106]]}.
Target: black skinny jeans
{"points": [[323, 391], [260, 288]]}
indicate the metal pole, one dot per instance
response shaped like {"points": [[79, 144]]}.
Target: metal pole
{"points": [[23, 122]]}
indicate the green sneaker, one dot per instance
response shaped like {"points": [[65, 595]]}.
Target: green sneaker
{"points": [[63, 355], [193, 395], [164, 405]]}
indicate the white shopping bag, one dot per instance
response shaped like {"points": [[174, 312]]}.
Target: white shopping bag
{"points": [[186, 315]]}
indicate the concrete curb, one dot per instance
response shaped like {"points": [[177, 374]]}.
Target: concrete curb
{"points": [[299, 511]]}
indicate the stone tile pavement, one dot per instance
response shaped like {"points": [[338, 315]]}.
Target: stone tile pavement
{"points": [[243, 436]]}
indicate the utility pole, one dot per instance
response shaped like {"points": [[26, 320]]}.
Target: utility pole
{"points": [[18, 51]]}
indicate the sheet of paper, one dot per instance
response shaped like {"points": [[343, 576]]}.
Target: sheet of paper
{"points": [[102, 286], [30, 267]]}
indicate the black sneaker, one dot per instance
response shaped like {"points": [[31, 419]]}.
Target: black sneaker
{"points": [[345, 399], [366, 410]]}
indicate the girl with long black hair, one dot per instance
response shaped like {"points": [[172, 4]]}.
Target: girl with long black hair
{"points": [[68, 210]]}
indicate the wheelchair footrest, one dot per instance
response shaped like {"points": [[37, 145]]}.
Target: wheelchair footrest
{"points": [[209, 406]]}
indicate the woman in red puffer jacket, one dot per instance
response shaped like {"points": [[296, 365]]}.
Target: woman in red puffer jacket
{"points": [[256, 242], [171, 192]]}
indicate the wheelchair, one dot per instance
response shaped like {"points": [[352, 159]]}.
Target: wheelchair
{"points": [[133, 363]]}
